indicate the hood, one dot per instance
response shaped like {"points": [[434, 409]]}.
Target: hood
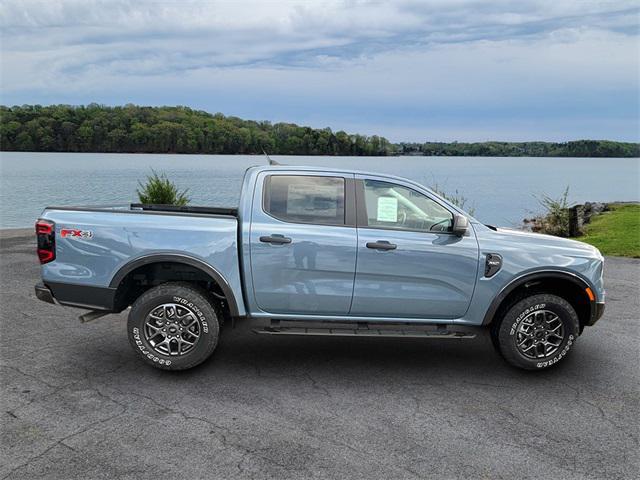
{"points": [[543, 240]]}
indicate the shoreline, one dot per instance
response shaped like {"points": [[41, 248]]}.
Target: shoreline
{"points": [[391, 155]]}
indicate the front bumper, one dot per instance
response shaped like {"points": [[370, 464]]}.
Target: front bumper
{"points": [[597, 310]]}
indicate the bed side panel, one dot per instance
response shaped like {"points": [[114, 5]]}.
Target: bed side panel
{"points": [[115, 239]]}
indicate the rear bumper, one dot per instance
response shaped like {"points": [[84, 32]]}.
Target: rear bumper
{"points": [[81, 296], [44, 293]]}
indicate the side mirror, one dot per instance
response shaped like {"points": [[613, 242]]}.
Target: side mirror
{"points": [[460, 224]]}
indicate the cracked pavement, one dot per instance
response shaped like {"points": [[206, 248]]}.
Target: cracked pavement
{"points": [[77, 403]]}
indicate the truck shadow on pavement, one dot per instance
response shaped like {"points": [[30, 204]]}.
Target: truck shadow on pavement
{"points": [[242, 356]]}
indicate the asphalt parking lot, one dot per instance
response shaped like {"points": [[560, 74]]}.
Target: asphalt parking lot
{"points": [[77, 403]]}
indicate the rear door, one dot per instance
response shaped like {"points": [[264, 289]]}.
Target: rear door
{"points": [[303, 243], [410, 265]]}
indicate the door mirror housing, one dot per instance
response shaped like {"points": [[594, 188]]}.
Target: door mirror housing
{"points": [[460, 224]]}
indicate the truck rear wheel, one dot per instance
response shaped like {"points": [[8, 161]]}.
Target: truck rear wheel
{"points": [[536, 332], [174, 326]]}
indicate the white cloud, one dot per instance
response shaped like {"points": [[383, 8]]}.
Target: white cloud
{"points": [[423, 58]]}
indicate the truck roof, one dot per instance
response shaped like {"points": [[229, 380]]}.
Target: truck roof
{"points": [[319, 168]]}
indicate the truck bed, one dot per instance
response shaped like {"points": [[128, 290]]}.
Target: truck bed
{"points": [[96, 246]]}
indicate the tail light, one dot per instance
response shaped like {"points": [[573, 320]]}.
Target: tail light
{"points": [[46, 234]]}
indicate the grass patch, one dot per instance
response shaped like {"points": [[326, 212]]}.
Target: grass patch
{"points": [[616, 232]]}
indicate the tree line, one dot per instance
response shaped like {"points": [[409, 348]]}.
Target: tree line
{"points": [[136, 129], [577, 148]]}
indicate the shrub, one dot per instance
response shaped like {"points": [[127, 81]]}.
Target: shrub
{"points": [[555, 220], [456, 198], [160, 190]]}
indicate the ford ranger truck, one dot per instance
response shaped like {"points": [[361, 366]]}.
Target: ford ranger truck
{"points": [[315, 251]]}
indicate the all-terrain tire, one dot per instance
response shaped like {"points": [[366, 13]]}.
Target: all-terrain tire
{"points": [[507, 332], [172, 301]]}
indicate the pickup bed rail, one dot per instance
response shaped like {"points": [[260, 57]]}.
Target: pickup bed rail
{"points": [[185, 209]]}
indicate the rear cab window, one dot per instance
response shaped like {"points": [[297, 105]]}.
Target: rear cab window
{"points": [[313, 199]]}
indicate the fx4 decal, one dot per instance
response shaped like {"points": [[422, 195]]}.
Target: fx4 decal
{"points": [[74, 233]]}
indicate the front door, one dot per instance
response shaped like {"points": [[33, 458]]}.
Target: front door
{"points": [[303, 243], [409, 264]]}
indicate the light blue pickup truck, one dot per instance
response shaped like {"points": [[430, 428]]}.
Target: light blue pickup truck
{"points": [[315, 251]]}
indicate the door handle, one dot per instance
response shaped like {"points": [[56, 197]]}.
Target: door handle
{"points": [[275, 239], [382, 245]]}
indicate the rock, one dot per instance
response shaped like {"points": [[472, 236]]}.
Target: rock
{"points": [[594, 208], [579, 215]]}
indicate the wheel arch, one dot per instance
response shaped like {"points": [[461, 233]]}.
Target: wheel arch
{"points": [[567, 285], [129, 269]]}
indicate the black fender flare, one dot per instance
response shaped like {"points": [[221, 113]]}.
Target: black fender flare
{"points": [[533, 277], [184, 259]]}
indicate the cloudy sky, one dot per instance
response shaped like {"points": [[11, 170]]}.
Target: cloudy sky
{"points": [[406, 69]]}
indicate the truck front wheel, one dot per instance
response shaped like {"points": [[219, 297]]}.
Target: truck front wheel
{"points": [[536, 332], [174, 326]]}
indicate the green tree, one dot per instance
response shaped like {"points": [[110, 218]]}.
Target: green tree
{"points": [[131, 128]]}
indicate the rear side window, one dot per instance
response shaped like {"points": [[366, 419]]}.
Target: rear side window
{"points": [[305, 199]]}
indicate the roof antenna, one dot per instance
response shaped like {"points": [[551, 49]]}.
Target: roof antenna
{"points": [[271, 162]]}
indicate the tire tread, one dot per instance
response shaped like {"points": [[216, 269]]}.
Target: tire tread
{"points": [[186, 290], [500, 329]]}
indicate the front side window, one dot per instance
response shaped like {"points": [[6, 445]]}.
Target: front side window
{"points": [[401, 208], [305, 199]]}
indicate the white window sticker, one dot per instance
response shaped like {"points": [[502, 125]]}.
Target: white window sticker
{"points": [[387, 209]]}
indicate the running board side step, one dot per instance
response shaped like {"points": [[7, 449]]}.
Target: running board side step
{"points": [[363, 332]]}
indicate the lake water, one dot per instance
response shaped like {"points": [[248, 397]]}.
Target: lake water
{"points": [[501, 189]]}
